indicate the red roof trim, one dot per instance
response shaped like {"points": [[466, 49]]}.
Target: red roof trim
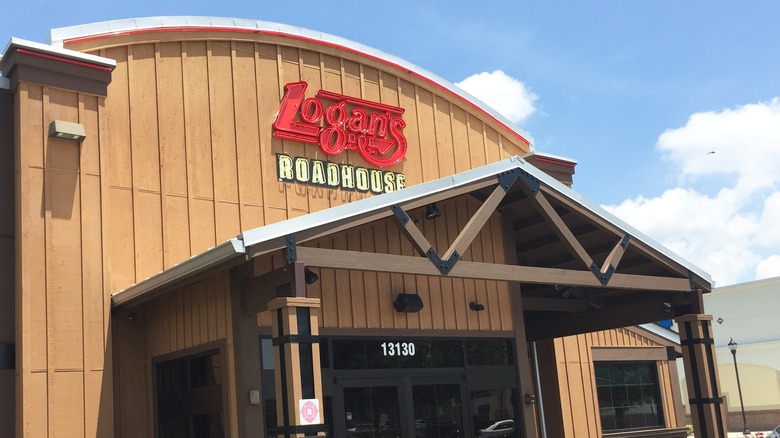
{"points": [[302, 38]]}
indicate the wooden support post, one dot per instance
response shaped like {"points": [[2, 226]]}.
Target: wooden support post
{"points": [[525, 370], [701, 372], [297, 365], [245, 349]]}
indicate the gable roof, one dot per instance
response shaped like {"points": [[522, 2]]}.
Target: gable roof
{"points": [[273, 237]]}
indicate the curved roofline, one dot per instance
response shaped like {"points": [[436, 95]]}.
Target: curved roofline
{"points": [[61, 36]]}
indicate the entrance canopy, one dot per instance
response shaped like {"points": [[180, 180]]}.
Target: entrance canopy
{"points": [[580, 268]]}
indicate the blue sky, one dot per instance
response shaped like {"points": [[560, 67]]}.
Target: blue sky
{"points": [[637, 92]]}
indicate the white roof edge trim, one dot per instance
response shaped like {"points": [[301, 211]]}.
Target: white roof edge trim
{"points": [[58, 51], [58, 36], [553, 156], [662, 331], [196, 264]]}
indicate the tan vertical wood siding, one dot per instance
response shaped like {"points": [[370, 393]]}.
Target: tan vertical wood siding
{"points": [[191, 156], [576, 382], [60, 298], [185, 318]]}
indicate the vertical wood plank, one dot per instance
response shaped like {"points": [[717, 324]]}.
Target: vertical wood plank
{"points": [[460, 138], [443, 129], [62, 210], [384, 283], [223, 140], [269, 96], [356, 284], [417, 284], [173, 156], [31, 269], [373, 310], [330, 302], [245, 101], [413, 166], [200, 187], [290, 71], [397, 281], [343, 287], [492, 148], [425, 118]]}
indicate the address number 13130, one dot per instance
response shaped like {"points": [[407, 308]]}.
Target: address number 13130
{"points": [[398, 349]]}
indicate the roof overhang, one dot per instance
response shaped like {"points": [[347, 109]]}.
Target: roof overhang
{"points": [[573, 257]]}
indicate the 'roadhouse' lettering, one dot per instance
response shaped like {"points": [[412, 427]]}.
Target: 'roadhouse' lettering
{"points": [[335, 175]]}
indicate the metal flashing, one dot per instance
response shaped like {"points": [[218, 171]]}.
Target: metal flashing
{"points": [[212, 257], [59, 36]]}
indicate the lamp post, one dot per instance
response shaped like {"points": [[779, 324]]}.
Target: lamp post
{"points": [[733, 348]]}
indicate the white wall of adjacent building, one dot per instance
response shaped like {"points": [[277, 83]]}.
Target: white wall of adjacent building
{"points": [[750, 314]]}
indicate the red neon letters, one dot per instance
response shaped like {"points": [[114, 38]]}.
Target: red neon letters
{"points": [[370, 128]]}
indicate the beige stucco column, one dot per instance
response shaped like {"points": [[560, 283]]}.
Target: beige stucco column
{"points": [[701, 372], [297, 364]]}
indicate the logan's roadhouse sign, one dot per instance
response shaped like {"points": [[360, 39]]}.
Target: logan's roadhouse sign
{"points": [[337, 123]]}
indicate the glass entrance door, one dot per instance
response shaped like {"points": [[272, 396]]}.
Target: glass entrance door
{"points": [[401, 407], [372, 412], [438, 410]]}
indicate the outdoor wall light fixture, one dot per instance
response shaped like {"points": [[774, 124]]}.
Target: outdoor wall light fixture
{"points": [[408, 303], [667, 306], [309, 276], [475, 306], [67, 130], [432, 211]]}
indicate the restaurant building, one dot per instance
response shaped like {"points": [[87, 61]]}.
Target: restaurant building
{"points": [[221, 227]]}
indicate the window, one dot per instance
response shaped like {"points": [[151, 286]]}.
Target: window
{"points": [[189, 397], [629, 395], [493, 413]]}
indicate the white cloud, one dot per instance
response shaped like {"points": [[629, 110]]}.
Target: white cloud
{"points": [[507, 95], [733, 232], [769, 267], [745, 141]]}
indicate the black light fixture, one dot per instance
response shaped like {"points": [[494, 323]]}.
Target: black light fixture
{"points": [[408, 303], [564, 291], [475, 306], [733, 347], [432, 211], [667, 306], [309, 276]]}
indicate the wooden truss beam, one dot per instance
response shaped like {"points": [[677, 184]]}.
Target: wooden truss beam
{"points": [[641, 246], [562, 230], [464, 239], [397, 264]]}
